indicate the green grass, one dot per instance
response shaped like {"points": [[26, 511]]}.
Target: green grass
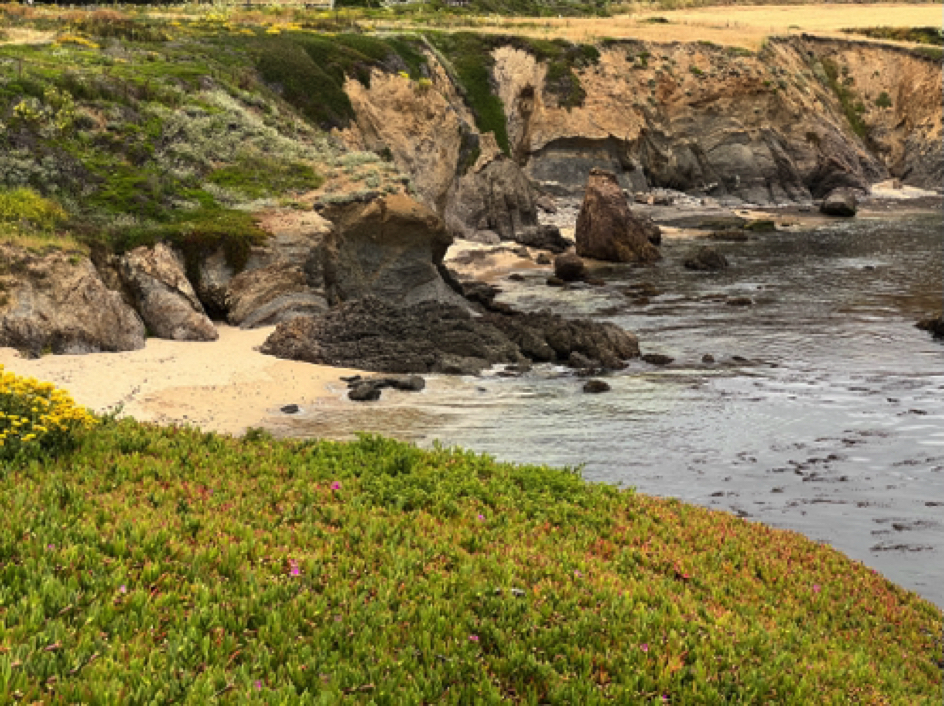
{"points": [[919, 35], [852, 108], [165, 564]]}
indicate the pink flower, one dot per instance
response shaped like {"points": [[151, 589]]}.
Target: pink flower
{"points": [[815, 588], [474, 638], [335, 486], [258, 685], [481, 517], [578, 574], [644, 647], [295, 570], [122, 589]]}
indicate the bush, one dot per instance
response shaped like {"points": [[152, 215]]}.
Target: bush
{"points": [[26, 209], [36, 418], [883, 101]]}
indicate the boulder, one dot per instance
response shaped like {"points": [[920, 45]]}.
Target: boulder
{"points": [[840, 202], [163, 296], [543, 237], [391, 248], [933, 325], [271, 295], [596, 386], [657, 359], [606, 227], [706, 258], [57, 302], [433, 337], [569, 267]]}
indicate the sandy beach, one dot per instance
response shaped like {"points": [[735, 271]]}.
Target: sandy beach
{"points": [[224, 386]]}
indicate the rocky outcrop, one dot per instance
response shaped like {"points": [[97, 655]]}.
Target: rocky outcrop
{"points": [[271, 295], [497, 197], [58, 303], [606, 227], [840, 202], [391, 247], [292, 260], [163, 296], [433, 337]]}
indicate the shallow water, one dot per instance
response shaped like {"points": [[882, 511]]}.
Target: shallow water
{"points": [[833, 425]]}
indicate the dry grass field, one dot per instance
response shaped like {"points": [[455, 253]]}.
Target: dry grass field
{"points": [[731, 26]]}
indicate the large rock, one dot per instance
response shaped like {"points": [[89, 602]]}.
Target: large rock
{"points": [[58, 303], [163, 296], [271, 295], [569, 267], [391, 248], [606, 227], [496, 198], [840, 202], [433, 337]]}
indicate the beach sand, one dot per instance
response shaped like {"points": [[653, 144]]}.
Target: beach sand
{"points": [[224, 386]]}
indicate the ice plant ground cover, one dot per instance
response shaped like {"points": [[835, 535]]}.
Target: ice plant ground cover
{"points": [[150, 565]]}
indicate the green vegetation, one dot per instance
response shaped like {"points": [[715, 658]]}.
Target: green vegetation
{"points": [[852, 108], [919, 35], [144, 131], [471, 58], [883, 100], [160, 564], [562, 58]]}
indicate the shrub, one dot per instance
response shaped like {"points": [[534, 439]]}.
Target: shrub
{"points": [[36, 418], [26, 209], [883, 101]]}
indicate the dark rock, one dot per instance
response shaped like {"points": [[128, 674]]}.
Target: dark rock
{"points": [[706, 258], [543, 259], [519, 368], [839, 202], [647, 289], [555, 282], [739, 359], [523, 252], [516, 277], [934, 325], [578, 360], [707, 358], [405, 383], [740, 301], [364, 392], [163, 296], [55, 302], [657, 359], [480, 292], [290, 409], [391, 248], [715, 223], [606, 227], [569, 267], [351, 378], [543, 237], [596, 386], [486, 237], [596, 282], [433, 337]]}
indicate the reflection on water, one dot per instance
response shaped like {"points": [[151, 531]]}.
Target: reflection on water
{"points": [[833, 426]]}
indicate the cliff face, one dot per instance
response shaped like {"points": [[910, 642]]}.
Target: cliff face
{"points": [[800, 118]]}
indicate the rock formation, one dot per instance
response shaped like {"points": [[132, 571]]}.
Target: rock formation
{"points": [[391, 247], [543, 237], [706, 258], [606, 227], [271, 295], [933, 325], [58, 303], [569, 267], [444, 338], [163, 296]]}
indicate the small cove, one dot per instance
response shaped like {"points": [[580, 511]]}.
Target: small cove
{"points": [[830, 423]]}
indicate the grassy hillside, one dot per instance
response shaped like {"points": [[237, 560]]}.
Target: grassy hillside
{"points": [[145, 130], [141, 564]]}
